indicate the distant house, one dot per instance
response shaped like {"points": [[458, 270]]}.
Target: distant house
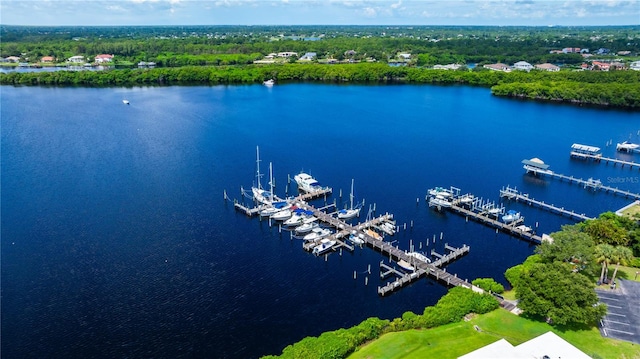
{"points": [[547, 67], [78, 59], [404, 56], [523, 65], [571, 50], [12, 59], [624, 53], [498, 67], [287, 54], [447, 67], [309, 56], [47, 59], [635, 65], [602, 66], [603, 51], [102, 58]]}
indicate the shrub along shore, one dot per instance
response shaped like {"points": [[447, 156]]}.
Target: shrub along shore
{"points": [[611, 89]]}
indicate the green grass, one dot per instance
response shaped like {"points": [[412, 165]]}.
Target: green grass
{"points": [[453, 340]]}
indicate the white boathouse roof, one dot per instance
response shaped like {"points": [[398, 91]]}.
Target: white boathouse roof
{"points": [[592, 150], [536, 162]]}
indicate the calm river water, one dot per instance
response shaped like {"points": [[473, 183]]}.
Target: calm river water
{"points": [[116, 240]]}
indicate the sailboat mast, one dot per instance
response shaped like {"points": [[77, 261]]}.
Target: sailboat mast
{"points": [[351, 195], [271, 182], [258, 168]]}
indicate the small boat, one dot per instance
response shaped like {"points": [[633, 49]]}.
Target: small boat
{"points": [[355, 239], [324, 246], [419, 256], [466, 199], [307, 183], [627, 146], [306, 227], [126, 102], [269, 82], [298, 217], [374, 234], [317, 233], [494, 211], [439, 201], [281, 215], [405, 265], [440, 191], [511, 216], [351, 212], [388, 228]]}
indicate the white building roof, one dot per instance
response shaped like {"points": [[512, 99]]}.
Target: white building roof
{"points": [[547, 345]]}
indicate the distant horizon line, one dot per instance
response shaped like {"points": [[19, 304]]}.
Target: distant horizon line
{"points": [[325, 25]]}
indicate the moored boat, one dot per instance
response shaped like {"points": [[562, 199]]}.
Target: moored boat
{"points": [[405, 265], [269, 82], [307, 183], [419, 256], [317, 233], [511, 216], [324, 246], [627, 146], [374, 234]]}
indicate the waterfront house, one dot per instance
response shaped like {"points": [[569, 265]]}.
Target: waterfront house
{"points": [[523, 65], [635, 65], [12, 59], [78, 59], [102, 58], [602, 66], [47, 59], [309, 56], [404, 56], [498, 67], [547, 67]]}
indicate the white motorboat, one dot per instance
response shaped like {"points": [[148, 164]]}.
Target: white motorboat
{"points": [[419, 256], [405, 265], [355, 239], [511, 216], [627, 146], [269, 82], [351, 212], [388, 228], [440, 191], [306, 182], [306, 227], [324, 246], [466, 199], [317, 233], [439, 201], [494, 211], [126, 102], [282, 215]]}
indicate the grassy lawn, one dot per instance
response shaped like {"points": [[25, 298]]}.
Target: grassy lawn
{"points": [[453, 340]]}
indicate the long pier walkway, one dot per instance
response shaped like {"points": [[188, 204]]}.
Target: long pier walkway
{"points": [[511, 228], [592, 183], [514, 194], [599, 158]]}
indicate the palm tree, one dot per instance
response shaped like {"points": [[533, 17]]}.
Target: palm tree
{"points": [[603, 254], [621, 255]]}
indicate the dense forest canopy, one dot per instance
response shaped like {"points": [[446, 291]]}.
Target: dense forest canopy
{"points": [[443, 44]]}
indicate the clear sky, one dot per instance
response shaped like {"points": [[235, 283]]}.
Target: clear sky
{"points": [[320, 12]]}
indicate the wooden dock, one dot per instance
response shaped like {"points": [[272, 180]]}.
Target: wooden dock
{"points": [[593, 184], [510, 228], [514, 194], [600, 159]]}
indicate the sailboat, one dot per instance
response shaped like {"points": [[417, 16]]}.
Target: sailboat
{"points": [[260, 194], [351, 212]]}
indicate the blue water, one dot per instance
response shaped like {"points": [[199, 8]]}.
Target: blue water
{"points": [[116, 240]]}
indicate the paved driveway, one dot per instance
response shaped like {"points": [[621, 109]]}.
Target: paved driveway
{"points": [[623, 316]]}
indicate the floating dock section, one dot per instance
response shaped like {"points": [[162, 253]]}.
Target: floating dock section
{"points": [[514, 194], [535, 168]]}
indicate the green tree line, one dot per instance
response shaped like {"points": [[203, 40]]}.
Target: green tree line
{"points": [[337, 344], [614, 88]]}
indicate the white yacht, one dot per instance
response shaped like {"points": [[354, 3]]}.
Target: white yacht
{"points": [[405, 265], [419, 256], [355, 239], [627, 146], [269, 82], [282, 215], [306, 182], [317, 233], [324, 246], [260, 194], [306, 227], [439, 201]]}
